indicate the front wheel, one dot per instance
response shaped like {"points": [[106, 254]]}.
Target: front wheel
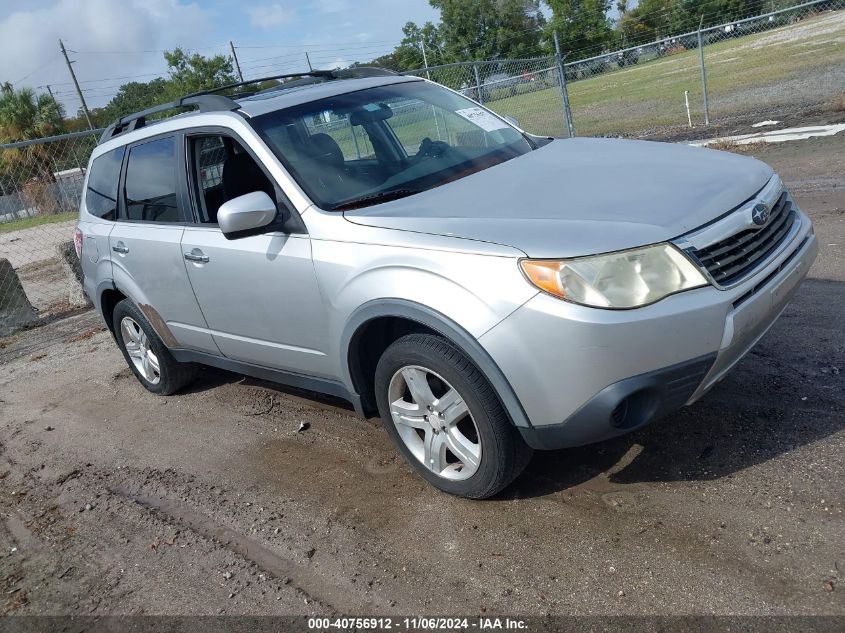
{"points": [[446, 419]]}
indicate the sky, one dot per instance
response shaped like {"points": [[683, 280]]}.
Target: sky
{"points": [[115, 41]]}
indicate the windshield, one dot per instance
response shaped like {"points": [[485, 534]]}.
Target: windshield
{"points": [[374, 145]]}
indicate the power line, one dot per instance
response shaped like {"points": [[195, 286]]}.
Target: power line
{"points": [[40, 68], [147, 51], [312, 44]]}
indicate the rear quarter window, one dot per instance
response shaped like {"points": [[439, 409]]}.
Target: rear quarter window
{"points": [[103, 179]]}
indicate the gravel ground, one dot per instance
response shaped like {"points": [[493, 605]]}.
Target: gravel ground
{"points": [[35, 244], [114, 501]]}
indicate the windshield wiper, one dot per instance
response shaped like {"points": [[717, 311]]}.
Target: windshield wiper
{"points": [[375, 198]]}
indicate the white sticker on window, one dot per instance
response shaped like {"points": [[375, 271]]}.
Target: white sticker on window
{"points": [[482, 118]]}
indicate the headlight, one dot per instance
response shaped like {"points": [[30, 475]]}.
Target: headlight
{"points": [[627, 279]]}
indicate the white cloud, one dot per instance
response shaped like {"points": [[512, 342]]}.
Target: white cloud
{"points": [[270, 15], [108, 35]]}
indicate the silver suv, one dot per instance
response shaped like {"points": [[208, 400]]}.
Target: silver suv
{"points": [[386, 240]]}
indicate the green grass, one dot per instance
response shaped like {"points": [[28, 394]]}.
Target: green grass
{"points": [[745, 75], [38, 220]]}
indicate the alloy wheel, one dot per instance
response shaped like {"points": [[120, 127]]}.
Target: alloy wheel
{"points": [[137, 345], [434, 422]]}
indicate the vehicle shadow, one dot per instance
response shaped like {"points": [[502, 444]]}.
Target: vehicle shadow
{"points": [[210, 378], [788, 392]]}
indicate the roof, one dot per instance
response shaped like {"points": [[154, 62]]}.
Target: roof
{"points": [[279, 98], [304, 88]]}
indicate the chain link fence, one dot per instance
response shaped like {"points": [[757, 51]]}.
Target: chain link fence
{"points": [[40, 189], [787, 64], [526, 89]]}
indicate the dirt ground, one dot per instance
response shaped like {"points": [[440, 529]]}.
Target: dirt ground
{"points": [[114, 501]]}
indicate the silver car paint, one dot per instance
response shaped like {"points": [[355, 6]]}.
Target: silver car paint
{"points": [[285, 300], [581, 196], [557, 355], [250, 211], [152, 272], [260, 298], [272, 101]]}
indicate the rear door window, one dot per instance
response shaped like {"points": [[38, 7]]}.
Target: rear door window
{"points": [[103, 180], [151, 182]]}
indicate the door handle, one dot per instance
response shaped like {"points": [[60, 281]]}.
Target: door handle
{"points": [[197, 255], [121, 248]]}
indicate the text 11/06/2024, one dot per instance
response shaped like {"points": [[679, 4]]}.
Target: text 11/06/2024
{"points": [[416, 624]]}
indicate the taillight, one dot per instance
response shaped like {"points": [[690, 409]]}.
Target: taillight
{"points": [[77, 242]]}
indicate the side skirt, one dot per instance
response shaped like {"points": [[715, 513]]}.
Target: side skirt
{"points": [[290, 379]]}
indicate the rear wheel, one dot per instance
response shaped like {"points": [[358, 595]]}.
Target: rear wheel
{"points": [[145, 353], [446, 419]]}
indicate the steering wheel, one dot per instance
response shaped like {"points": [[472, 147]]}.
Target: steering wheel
{"points": [[431, 149]]}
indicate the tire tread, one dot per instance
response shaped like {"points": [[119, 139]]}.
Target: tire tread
{"points": [[174, 375], [514, 454]]}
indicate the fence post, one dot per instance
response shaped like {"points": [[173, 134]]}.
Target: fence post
{"points": [[703, 73], [477, 84], [425, 59], [564, 92]]}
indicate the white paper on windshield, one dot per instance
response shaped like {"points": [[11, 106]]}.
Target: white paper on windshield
{"points": [[482, 118]]}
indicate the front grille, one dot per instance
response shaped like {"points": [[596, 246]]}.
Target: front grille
{"points": [[733, 258]]}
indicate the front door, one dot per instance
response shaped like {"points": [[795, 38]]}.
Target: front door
{"points": [[145, 243], [258, 294]]}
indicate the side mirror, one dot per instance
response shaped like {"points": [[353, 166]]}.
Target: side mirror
{"points": [[246, 214]]}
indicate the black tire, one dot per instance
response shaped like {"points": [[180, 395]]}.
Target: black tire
{"points": [[173, 375], [504, 454]]}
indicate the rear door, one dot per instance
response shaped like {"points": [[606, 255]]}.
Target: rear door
{"points": [[145, 243], [98, 211]]}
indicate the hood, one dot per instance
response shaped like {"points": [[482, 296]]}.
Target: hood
{"points": [[581, 196]]}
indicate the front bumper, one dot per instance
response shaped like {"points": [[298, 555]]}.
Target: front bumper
{"points": [[584, 375]]}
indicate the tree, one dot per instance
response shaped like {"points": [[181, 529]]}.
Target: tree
{"points": [[25, 117], [189, 73], [655, 19], [409, 54], [490, 29], [186, 73], [133, 97], [387, 61], [582, 26]]}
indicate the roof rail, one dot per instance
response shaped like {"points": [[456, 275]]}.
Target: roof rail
{"points": [[210, 101], [203, 102], [326, 75]]}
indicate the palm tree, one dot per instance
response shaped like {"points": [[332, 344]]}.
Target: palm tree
{"points": [[25, 117]]}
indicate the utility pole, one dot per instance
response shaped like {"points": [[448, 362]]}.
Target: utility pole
{"points": [[425, 59], [237, 63], [703, 73], [308, 59], [76, 84], [50, 92]]}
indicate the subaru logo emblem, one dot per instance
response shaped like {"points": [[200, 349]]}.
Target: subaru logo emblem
{"points": [[760, 214]]}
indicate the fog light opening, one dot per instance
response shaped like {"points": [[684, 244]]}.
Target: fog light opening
{"points": [[635, 410]]}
